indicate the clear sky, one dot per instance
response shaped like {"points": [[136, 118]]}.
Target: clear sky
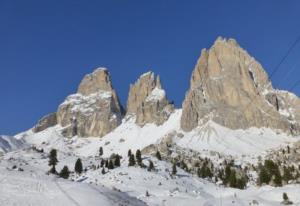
{"points": [[47, 46]]}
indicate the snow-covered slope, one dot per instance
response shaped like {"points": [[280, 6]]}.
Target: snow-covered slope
{"points": [[134, 182], [33, 187], [8, 143], [209, 137]]}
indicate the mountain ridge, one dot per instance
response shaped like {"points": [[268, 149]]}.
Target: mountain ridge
{"points": [[227, 86]]}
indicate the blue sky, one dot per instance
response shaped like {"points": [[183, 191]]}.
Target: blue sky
{"points": [[46, 47]]}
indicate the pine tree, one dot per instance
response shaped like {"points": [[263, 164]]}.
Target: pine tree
{"points": [[241, 183], [277, 179], [103, 171], [53, 161], [158, 156], [287, 176], [131, 160], [285, 197], [117, 161], [110, 165], [174, 169], [102, 163], [78, 166], [129, 153], [151, 166], [227, 174], [100, 151], [106, 163], [64, 173], [138, 157], [232, 179], [264, 176]]}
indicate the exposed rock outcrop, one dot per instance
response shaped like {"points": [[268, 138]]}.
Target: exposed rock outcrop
{"points": [[231, 88], [94, 110], [147, 100], [47, 121]]}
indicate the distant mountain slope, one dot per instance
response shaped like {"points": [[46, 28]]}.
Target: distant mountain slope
{"points": [[8, 144]]}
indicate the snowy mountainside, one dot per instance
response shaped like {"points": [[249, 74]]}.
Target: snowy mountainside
{"points": [[209, 137], [8, 143], [157, 187]]}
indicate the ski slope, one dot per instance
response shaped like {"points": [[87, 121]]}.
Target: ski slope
{"points": [[130, 184]]}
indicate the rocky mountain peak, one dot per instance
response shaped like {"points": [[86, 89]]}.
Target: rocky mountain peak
{"points": [[148, 101], [230, 87], [94, 110], [98, 80]]}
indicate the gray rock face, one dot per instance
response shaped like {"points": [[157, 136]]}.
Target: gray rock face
{"points": [[94, 111], [147, 100], [229, 87], [49, 120]]}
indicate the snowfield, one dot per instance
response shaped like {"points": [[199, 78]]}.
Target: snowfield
{"points": [[129, 185]]}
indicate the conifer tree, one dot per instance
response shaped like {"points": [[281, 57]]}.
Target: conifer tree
{"points": [[241, 183], [232, 179], [110, 165], [287, 176], [117, 161], [102, 163], [64, 173], [100, 151], [103, 171], [174, 169], [53, 161], [131, 160], [151, 166], [285, 197], [227, 174], [264, 176], [138, 157], [129, 153], [78, 166], [158, 156]]}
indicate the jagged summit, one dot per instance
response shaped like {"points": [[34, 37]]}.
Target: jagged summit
{"points": [[232, 88], [95, 110], [98, 80], [147, 100], [227, 86]]}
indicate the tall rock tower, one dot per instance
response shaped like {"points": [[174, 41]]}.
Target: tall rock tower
{"points": [[231, 88], [148, 101], [94, 110]]}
